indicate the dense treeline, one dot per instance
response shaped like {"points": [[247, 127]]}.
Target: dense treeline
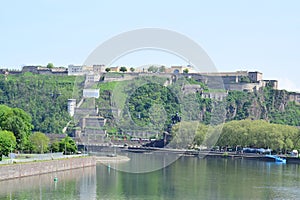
{"points": [[44, 97], [16, 134], [259, 133], [245, 133]]}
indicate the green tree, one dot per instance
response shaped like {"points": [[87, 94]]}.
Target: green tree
{"points": [[200, 135], [132, 69], [107, 69], [152, 105], [17, 121], [153, 69], [245, 79], [50, 65], [123, 69], [7, 143], [67, 145], [260, 134], [186, 134], [54, 147], [186, 71], [39, 142], [162, 69]]}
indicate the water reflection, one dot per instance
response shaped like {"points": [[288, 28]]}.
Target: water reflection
{"points": [[187, 178], [194, 178], [145, 162], [71, 184]]}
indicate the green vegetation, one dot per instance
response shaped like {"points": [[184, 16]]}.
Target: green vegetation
{"points": [[16, 121], [39, 103], [260, 134], [187, 134], [16, 133], [15, 128], [50, 65], [123, 69], [147, 101], [7, 143], [126, 96], [39, 142], [162, 69], [67, 145], [194, 82], [153, 69], [245, 133], [152, 103], [132, 69], [44, 97], [269, 104], [245, 79]]}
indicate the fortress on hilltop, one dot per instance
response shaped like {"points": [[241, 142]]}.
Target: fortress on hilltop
{"points": [[249, 81]]}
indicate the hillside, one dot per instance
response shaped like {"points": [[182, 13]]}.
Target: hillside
{"points": [[45, 98], [267, 103]]}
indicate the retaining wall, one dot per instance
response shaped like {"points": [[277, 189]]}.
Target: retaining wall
{"points": [[42, 167]]}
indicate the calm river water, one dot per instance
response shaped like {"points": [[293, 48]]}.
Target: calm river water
{"points": [[185, 178]]}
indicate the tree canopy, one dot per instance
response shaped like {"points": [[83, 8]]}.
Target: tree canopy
{"points": [[50, 65], [44, 97], [123, 69], [132, 69], [245, 133], [39, 142], [260, 134], [186, 71], [7, 143], [17, 121], [67, 145], [153, 69], [162, 69], [186, 134]]}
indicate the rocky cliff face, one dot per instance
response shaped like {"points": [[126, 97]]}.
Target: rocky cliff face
{"points": [[271, 105]]}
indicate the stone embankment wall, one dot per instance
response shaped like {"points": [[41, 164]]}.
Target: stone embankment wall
{"points": [[42, 167]]}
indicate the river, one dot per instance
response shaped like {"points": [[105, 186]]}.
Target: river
{"points": [[164, 178]]}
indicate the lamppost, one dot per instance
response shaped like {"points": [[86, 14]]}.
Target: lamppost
{"points": [[11, 156], [20, 142], [65, 147]]}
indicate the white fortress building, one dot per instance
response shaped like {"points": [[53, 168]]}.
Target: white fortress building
{"points": [[71, 106], [91, 93]]}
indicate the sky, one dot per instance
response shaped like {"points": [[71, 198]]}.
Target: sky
{"points": [[237, 35]]}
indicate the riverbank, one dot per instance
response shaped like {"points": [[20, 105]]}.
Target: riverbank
{"points": [[42, 167], [212, 154]]}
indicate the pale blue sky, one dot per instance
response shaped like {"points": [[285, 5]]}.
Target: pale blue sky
{"points": [[249, 35]]}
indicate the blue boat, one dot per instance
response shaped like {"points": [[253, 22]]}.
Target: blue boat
{"points": [[276, 158]]}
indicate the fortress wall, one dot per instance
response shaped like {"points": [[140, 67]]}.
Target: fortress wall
{"points": [[294, 97], [242, 86]]}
